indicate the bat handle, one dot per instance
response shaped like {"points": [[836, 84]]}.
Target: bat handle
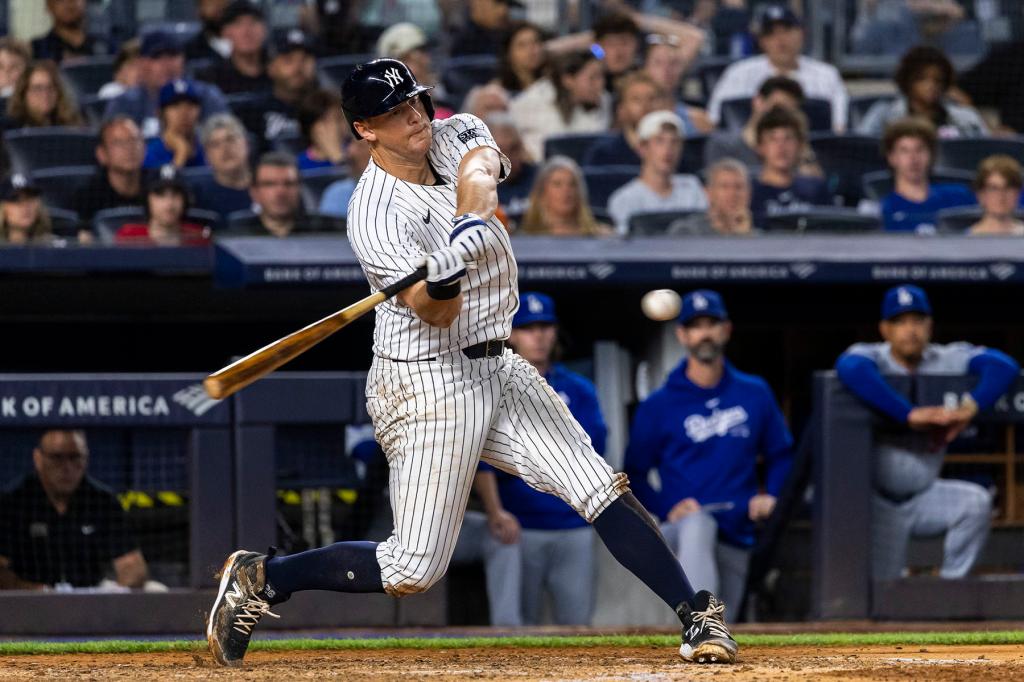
{"points": [[417, 275]]}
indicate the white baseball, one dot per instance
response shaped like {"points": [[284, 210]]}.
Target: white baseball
{"points": [[661, 304]]}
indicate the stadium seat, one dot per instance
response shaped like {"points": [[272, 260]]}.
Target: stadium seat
{"points": [[823, 219], [957, 220], [461, 74], [204, 217], [859, 107], [32, 149], [337, 68], [88, 75], [966, 153], [692, 160], [709, 71], [316, 180], [574, 146], [107, 222], [845, 160], [58, 185], [652, 224], [603, 180], [313, 221], [64, 223], [93, 108], [183, 31], [879, 183], [736, 113]]}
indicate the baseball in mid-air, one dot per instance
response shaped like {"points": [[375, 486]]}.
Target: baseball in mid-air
{"points": [[661, 304]]}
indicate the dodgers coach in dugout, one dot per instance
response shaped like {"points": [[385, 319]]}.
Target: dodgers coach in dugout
{"points": [[703, 432]]}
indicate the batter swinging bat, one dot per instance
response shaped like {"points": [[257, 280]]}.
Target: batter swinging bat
{"points": [[258, 364]]}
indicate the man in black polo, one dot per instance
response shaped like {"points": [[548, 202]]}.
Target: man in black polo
{"points": [[60, 527], [69, 39]]}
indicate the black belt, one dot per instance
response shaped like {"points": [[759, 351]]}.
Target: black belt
{"points": [[485, 349]]}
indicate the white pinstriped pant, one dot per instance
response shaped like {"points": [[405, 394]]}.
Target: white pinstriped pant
{"points": [[435, 420]]}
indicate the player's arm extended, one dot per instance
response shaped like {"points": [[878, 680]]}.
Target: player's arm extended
{"points": [[477, 187]]}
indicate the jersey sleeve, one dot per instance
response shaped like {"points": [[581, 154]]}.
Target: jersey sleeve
{"points": [[387, 250], [457, 136], [996, 373], [858, 370]]}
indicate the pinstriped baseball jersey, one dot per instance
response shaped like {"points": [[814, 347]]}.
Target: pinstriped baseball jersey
{"points": [[393, 224]]}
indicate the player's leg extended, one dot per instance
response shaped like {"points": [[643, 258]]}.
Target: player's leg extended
{"points": [[536, 437]]}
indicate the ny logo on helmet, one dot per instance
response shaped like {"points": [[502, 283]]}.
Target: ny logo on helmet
{"points": [[393, 77]]}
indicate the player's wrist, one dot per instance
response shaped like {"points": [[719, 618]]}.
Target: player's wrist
{"points": [[444, 292]]}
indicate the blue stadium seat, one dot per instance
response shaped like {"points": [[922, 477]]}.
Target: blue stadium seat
{"points": [[574, 146], [93, 108], [966, 153], [88, 75], [736, 113], [64, 223], [823, 219], [879, 183], [58, 185], [957, 220], [337, 68], [692, 160], [32, 149], [653, 224], [107, 222], [859, 107], [709, 70], [316, 180], [461, 74], [603, 180], [845, 160]]}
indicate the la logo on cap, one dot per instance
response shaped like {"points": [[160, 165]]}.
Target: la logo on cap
{"points": [[295, 36], [904, 297], [699, 302], [180, 86], [534, 304], [19, 181]]}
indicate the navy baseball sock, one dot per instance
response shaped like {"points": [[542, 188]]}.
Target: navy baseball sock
{"points": [[633, 538], [341, 567]]}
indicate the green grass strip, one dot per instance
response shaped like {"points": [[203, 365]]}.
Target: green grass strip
{"points": [[751, 640]]}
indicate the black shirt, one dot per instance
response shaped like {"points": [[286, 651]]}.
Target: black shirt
{"points": [[52, 46], [76, 547], [213, 196], [306, 223], [230, 80], [99, 194], [991, 83], [268, 118], [199, 47]]}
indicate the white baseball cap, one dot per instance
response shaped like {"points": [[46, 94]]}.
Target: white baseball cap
{"points": [[651, 124], [401, 39]]}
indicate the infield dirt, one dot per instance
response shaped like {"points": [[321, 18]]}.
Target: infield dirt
{"points": [[767, 664]]}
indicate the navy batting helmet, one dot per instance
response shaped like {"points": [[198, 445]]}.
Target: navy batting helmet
{"points": [[377, 87]]}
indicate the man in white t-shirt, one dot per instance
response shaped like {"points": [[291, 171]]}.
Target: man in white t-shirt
{"points": [[658, 189], [781, 39]]}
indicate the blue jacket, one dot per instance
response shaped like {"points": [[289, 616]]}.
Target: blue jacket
{"points": [[537, 510], [704, 443]]}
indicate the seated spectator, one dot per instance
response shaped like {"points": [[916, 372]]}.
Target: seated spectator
{"points": [[324, 130], [666, 60], [486, 23], [571, 100], [41, 99], [178, 143], [781, 38], [781, 135], [276, 193], [245, 70], [777, 91], [334, 201], [227, 151], [126, 71], [659, 188], [207, 44], [909, 148], [910, 500], [119, 177], [292, 71], [338, 26], [69, 39], [484, 100], [61, 528], [558, 203], [407, 43], [376, 15], [514, 190], [521, 58], [998, 188], [160, 61], [167, 201], [23, 218], [704, 431], [728, 193], [637, 96], [924, 78], [14, 58], [884, 27]]}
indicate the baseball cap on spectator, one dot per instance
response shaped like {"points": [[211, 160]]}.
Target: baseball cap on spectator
{"points": [[702, 303], [177, 90], [770, 16], [18, 185], [651, 124], [534, 307], [401, 39], [169, 178], [159, 43], [238, 9], [905, 298], [290, 41]]}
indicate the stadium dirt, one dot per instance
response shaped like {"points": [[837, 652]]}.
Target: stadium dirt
{"points": [[766, 664]]}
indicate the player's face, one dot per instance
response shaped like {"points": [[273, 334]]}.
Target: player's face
{"points": [[60, 463], [929, 87], [166, 207], [404, 131], [728, 192], [535, 342], [998, 197], [526, 52], [910, 159], [779, 149], [908, 334], [704, 338], [782, 45], [638, 101], [561, 197], [665, 65], [587, 86], [619, 51], [663, 151], [226, 150]]}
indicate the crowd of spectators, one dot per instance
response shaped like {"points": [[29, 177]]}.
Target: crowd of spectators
{"points": [[567, 109]]}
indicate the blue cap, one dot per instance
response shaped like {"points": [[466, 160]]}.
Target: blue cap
{"points": [[534, 307], [770, 16], [702, 303], [158, 43], [906, 298], [177, 90]]}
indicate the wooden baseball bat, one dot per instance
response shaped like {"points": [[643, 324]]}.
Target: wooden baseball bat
{"points": [[258, 364]]}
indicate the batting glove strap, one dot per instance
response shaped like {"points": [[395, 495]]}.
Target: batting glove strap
{"points": [[470, 236], [444, 292], [444, 267]]}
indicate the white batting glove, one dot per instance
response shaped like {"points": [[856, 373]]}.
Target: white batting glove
{"points": [[470, 236], [444, 269]]}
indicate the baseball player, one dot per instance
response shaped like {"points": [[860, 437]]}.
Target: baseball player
{"points": [[910, 498], [443, 390]]}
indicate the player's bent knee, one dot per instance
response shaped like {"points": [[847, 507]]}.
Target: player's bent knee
{"points": [[979, 503], [406, 583]]}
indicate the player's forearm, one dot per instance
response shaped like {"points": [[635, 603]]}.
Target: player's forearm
{"points": [[997, 372], [436, 313], [861, 376], [477, 189], [486, 486]]}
